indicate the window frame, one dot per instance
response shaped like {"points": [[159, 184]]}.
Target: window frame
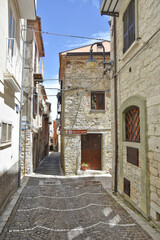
{"points": [[11, 30], [35, 102], [104, 100], [130, 137], [130, 27], [8, 134]]}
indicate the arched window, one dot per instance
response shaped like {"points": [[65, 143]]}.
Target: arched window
{"points": [[132, 124]]}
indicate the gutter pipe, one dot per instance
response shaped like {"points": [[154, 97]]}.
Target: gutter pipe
{"points": [[115, 107]]}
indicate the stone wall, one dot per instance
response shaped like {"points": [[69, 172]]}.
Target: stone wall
{"points": [[26, 154], [78, 83], [139, 75]]}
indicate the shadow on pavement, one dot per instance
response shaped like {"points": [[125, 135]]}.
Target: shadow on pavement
{"points": [[50, 165]]}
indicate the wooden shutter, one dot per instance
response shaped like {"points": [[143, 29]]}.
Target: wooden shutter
{"points": [[133, 155], [125, 31], [131, 23], [98, 100], [129, 26]]}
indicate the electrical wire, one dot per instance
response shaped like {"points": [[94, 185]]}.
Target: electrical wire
{"points": [[66, 35], [76, 88], [40, 88], [79, 104], [53, 79]]}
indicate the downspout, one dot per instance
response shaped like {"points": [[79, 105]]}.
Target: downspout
{"points": [[21, 104], [115, 107]]}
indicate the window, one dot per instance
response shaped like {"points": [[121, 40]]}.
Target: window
{"points": [[98, 100], [35, 102], [5, 132], [11, 33], [133, 156], [35, 59], [129, 26], [127, 187], [132, 124]]}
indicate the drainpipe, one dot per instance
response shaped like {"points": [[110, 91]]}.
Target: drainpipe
{"points": [[115, 107], [21, 104]]}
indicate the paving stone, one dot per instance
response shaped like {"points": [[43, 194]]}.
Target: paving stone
{"points": [[58, 208]]}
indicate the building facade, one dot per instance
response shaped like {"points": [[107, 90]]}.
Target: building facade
{"points": [[36, 109], [12, 24], [135, 44], [85, 111]]}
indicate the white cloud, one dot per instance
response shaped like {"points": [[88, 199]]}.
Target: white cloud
{"points": [[95, 3], [99, 35]]}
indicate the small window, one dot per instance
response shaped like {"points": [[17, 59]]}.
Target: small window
{"points": [[35, 101], [129, 26], [35, 59], [126, 187], [133, 156], [98, 100], [5, 132], [9, 132], [132, 124]]}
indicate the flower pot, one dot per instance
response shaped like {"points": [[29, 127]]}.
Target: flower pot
{"points": [[84, 168]]}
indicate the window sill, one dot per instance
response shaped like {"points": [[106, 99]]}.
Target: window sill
{"points": [[131, 144], [97, 111], [5, 145], [136, 42]]}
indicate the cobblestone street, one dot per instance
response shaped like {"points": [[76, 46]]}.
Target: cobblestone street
{"points": [[52, 206]]}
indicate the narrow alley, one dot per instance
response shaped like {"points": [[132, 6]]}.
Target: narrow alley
{"points": [[52, 206]]}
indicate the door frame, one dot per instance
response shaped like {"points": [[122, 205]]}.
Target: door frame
{"points": [[101, 150]]}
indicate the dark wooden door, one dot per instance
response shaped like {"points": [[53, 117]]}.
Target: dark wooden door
{"points": [[91, 150]]}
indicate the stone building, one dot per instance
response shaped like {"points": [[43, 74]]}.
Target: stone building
{"points": [[85, 110], [12, 23], [135, 49], [36, 110]]}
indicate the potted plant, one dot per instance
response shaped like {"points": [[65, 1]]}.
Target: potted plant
{"points": [[84, 166]]}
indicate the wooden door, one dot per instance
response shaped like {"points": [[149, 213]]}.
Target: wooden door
{"points": [[91, 150]]}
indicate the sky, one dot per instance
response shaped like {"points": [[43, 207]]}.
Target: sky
{"points": [[70, 17]]}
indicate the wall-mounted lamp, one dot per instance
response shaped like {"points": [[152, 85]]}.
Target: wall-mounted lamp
{"points": [[91, 59]]}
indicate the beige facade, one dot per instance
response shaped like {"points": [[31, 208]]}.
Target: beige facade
{"points": [[78, 83], [138, 84], [36, 110]]}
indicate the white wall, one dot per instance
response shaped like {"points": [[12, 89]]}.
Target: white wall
{"points": [[8, 98]]}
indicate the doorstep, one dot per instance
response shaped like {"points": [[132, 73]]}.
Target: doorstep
{"points": [[93, 172]]}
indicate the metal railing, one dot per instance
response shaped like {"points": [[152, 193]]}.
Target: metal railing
{"points": [[14, 60]]}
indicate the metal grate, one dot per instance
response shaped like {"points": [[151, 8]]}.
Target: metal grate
{"points": [[132, 120]]}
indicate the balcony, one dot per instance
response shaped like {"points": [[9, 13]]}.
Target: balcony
{"points": [[110, 7], [13, 74], [27, 9]]}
